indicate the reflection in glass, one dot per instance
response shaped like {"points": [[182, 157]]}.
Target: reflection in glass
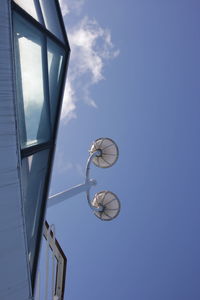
{"points": [[32, 8], [51, 18], [39, 69], [55, 70], [34, 170], [30, 65]]}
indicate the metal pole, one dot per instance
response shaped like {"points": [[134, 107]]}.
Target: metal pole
{"points": [[60, 197], [87, 173], [85, 187]]}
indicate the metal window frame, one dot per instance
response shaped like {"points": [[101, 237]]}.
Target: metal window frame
{"points": [[42, 27], [61, 262], [51, 144]]}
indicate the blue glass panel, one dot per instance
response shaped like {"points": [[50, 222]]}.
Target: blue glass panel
{"points": [[34, 169], [31, 68], [55, 70], [51, 18]]}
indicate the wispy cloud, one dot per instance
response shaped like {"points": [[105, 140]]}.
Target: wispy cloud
{"points": [[71, 6], [69, 106], [91, 48], [63, 168]]}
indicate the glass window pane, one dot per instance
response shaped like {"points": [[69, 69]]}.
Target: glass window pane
{"points": [[30, 52], [34, 170], [51, 18], [55, 70], [31, 7]]}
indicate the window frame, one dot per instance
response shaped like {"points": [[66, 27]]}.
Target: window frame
{"points": [[51, 144], [41, 41]]}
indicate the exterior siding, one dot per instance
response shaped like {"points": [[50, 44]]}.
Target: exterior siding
{"points": [[14, 272]]}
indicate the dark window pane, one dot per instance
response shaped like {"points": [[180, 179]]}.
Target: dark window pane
{"points": [[55, 70], [31, 64], [34, 170]]}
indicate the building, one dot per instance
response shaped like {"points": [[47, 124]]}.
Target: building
{"points": [[34, 53]]}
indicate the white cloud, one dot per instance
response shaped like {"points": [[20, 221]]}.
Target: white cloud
{"points": [[91, 47], [64, 7], [76, 5], [67, 166], [69, 105], [71, 6]]}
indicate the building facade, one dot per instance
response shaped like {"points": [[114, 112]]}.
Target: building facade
{"points": [[34, 53]]}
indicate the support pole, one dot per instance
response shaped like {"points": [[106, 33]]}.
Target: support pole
{"points": [[60, 197]]}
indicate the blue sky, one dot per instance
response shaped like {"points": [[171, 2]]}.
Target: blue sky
{"points": [[134, 77]]}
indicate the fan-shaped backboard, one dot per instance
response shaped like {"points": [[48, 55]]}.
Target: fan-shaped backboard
{"points": [[108, 152], [109, 203]]}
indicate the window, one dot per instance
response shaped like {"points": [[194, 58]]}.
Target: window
{"points": [[51, 18], [32, 7], [32, 90], [41, 54], [46, 12], [34, 169], [55, 70]]}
